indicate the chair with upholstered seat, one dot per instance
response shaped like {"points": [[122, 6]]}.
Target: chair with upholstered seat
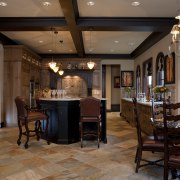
{"points": [[172, 139], [90, 114], [25, 116], [145, 143]]}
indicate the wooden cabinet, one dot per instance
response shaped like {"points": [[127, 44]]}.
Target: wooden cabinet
{"points": [[144, 111], [20, 66], [127, 111]]}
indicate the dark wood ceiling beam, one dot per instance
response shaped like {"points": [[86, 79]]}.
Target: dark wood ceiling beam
{"points": [[6, 41], [92, 56], [126, 24], [105, 24], [69, 9], [32, 24], [148, 42]]}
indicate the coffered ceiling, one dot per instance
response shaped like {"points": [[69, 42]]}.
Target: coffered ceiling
{"points": [[107, 29]]}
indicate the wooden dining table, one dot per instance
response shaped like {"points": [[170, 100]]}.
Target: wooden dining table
{"points": [[158, 126]]}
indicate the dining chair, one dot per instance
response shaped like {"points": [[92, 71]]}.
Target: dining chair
{"points": [[25, 116], [171, 139], [157, 117], [89, 115], [145, 143]]}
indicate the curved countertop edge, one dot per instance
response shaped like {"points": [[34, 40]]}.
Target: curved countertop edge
{"points": [[65, 99], [144, 103]]}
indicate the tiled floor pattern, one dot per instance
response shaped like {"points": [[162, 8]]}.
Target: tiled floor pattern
{"points": [[112, 161]]}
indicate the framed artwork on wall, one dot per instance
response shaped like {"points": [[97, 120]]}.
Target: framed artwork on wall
{"points": [[170, 69], [127, 78], [117, 82]]}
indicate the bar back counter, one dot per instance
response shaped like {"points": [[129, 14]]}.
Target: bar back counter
{"points": [[144, 110], [64, 115]]}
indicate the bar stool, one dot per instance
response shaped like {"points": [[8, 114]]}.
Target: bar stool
{"points": [[26, 115], [90, 113]]}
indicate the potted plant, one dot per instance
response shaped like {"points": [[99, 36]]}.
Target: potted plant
{"points": [[159, 92]]}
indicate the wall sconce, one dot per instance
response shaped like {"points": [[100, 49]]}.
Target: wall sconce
{"points": [[176, 36]]}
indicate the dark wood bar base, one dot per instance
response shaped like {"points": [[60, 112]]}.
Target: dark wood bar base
{"points": [[64, 120]]}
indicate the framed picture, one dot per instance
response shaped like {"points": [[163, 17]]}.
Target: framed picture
{"points": [[169, 69], [126, 78], [117, 82]]}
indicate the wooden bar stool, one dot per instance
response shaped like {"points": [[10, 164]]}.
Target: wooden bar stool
{"points": [[90, 113], [26, 115]]}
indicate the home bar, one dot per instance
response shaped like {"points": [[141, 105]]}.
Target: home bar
{"points": [[89, 89]]}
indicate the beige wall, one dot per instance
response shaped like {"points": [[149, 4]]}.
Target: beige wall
{"points": [[161, 46], [108, 86], [115, 91], [124, 65]]}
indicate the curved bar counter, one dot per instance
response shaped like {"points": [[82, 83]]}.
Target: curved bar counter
{"points": [[64, 115]]}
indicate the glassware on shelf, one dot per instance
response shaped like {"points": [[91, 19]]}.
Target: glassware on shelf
{"points": [[141, 97], [53, 93]]}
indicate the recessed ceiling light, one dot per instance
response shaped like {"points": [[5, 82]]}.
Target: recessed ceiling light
{"points": [[131, 43], [40, 41], [50, 50], [135, 3], [116, 41], [90, 3], [3, 4], [46, 3], [70, 50], [112, 50]]}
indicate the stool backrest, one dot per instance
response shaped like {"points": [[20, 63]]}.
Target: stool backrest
{"points": [[21, 107], [137, 122], [90, 106]]}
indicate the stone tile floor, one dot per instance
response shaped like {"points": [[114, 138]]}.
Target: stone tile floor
{"points": [[112, 161]]}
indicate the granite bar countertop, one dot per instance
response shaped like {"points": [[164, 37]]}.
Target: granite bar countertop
{"points": [[65, 99], [144, 103]]}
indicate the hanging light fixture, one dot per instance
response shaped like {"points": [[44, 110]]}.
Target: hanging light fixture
{"points": [[55, 69], [90, 64], [52, 64], [176, 36], [61, 71]]}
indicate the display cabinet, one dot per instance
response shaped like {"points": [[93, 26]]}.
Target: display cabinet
{"points": [[21, 66]]}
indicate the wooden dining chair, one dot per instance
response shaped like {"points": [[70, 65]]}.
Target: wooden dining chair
{"points": [[145, 143], [90, 114], [25, 115], [171, 139]]}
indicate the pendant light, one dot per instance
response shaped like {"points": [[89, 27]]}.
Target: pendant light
{"points": [[176, 36], [61, 71], [90, 64], [52, 64]]}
